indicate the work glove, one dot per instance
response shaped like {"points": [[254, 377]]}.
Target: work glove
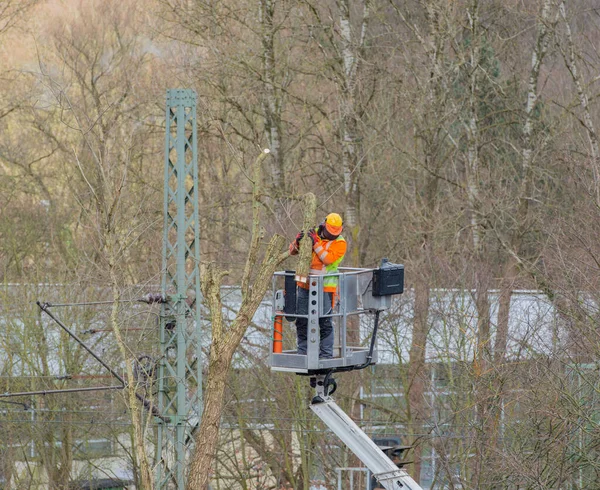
{"points": [[299, 237], [313, 236]]}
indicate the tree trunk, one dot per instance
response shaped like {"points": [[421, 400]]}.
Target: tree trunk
{"points": [[509, 278], [306, 249], [223, 346], [351, 47], [481, 378], [417, 377], [226, 341], [208, 434], [141, 455], [272, 108], [571, 62]]}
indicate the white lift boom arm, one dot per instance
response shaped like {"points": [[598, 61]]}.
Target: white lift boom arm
{"points": [[382, 467]]}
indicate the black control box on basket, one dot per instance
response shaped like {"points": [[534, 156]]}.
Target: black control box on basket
{"points": [[388, 279]]}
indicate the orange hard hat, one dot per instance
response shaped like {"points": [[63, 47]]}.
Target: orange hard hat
{"points": [[333, 223]]}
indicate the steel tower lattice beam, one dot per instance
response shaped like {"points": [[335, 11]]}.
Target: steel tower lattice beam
{"points": [[180, 371]]}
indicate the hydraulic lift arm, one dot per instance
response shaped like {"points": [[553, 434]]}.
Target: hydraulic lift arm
{"points": [[382, 467]]}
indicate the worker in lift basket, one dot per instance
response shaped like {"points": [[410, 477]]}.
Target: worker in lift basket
{"points": [[329, 248]]}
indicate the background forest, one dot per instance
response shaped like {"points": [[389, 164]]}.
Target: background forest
{"points": [[456, 137]]}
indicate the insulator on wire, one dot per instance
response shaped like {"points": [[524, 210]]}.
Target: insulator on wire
{"points": [[144, 368], [153, 298]]}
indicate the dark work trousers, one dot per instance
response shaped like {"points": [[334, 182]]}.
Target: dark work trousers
{"points": [[325, 324]]}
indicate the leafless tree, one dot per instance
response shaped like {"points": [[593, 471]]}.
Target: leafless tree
{"points": [[225, 341]]}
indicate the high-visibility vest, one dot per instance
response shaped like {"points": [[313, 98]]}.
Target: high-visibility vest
{"points": [[327, 251]]}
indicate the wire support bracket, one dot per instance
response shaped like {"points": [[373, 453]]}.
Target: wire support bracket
{"points": [[122, 384]]}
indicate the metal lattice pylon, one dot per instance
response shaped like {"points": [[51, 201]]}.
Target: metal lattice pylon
{"points": [[180, 370]]}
